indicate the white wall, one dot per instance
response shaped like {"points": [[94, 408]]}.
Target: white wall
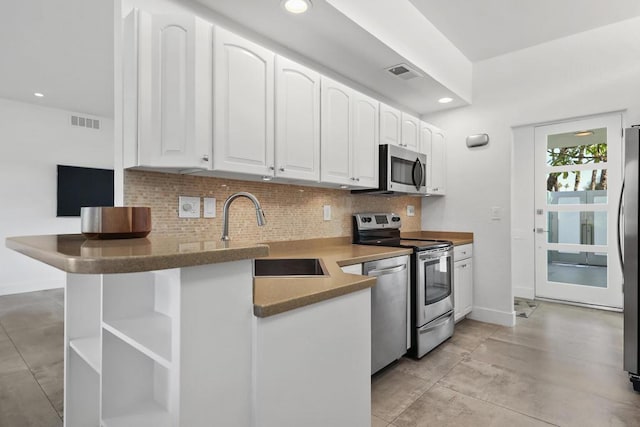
{"points": [[588, 73], [33, 140]]}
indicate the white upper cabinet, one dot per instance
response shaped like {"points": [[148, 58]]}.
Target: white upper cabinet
{"points": [[297, 143], [349, 136], [244, 106], [438, 164], [426, 138], [167, 91], [432, 143], [390, 125], [335, 133], [365, 141], [410, 132]]}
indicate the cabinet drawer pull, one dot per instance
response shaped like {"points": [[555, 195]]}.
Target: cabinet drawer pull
{"points": [[281, 169], [205, 157]]}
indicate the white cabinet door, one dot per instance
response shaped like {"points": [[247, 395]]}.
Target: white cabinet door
{"points": [[297, 144], [243, 113], [438, 164], [365, 141], [426, 136], [463, 288], [410, 132], [335, 134], [167, 91], [390, 125]]}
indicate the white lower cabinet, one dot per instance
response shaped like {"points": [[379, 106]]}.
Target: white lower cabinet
{"points": [[463, 280], [319, 357], [156, 349]]}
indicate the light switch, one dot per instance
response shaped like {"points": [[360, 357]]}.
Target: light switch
{"points": [[411, 210], [496, 213], [209, 207], [326, 209], [188, 207]]}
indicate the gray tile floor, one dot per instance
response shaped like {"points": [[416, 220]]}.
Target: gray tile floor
{"points": [[561, 366], [31, 359]]}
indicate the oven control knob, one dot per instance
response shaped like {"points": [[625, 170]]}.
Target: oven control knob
{"points": [[395, 219]]}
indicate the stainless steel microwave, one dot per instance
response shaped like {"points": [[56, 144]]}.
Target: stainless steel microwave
{"points": [[400, 171]]}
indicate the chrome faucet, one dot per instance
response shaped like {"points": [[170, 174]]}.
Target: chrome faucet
{"points": [[225, 212]]}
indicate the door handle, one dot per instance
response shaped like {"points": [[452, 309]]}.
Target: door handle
{"points": [[385, 271], [619, 236], [437, 325], [541, 230]]}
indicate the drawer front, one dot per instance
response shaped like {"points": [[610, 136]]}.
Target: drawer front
{"points": [[462, 252]]}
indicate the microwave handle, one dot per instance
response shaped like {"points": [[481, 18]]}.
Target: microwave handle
{"points": [[417, 174]]}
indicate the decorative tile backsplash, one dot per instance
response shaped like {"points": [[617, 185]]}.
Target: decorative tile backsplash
{"points": [[293, 212]]}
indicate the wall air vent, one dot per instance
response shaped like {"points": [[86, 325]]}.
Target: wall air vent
{"points": [[404, 72], [85, 122]]}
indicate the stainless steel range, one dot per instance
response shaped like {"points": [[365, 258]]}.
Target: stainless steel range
{"points": [[431, 278]]}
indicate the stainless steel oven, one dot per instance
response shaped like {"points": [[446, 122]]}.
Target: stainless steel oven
{"points": [[434, 316], [400, 171]]}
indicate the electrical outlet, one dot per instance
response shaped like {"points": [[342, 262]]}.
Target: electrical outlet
{"points": [[411, 210], [188, 207], [209, 207], [326, 209]]}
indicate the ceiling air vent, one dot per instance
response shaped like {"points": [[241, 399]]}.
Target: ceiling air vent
{"points": [[403, 71], [85, 122]]}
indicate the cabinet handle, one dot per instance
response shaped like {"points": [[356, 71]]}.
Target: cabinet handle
{"points": [[271, 168], [281, 169], [357, 179], [435, 189], [205, 157]]}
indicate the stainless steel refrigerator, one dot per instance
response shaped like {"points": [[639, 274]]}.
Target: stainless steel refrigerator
{"points": [[628, 240]]}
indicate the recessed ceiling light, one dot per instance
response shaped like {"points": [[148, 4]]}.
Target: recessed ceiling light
{"points": [[584, 133], [266, 178], [445, 100], [296, 6], [344, 186], [38, 94]]}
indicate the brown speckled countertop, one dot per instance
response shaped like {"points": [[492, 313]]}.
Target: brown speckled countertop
{"points": [[273, 295], [73, 253], [456, 237]]}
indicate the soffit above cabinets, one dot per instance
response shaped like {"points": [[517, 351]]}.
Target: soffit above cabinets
{"points": [[356, 53]]}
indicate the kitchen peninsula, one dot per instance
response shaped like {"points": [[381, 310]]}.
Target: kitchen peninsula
{"points": [[161, 331]]}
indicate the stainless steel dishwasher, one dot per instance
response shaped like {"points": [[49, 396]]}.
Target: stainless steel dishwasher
{"points": [[388, 310]]}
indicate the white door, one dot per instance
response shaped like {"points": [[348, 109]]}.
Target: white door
{"points": [[335, 134], [243, 113], [410, 132], [390, 125], [297, 121], [578, 180], [172, 81], [364, 141]]}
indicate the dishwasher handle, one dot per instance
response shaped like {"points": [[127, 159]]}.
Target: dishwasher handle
{"points": [[385, 271]]}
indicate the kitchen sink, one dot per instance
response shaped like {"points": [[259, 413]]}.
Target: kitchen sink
{"points": [[289, 267]]}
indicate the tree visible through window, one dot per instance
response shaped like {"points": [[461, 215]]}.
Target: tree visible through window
{"points": [[578, 155]]}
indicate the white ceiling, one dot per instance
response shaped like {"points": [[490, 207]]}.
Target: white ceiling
{"points": [[64, 48], [483, 29]]}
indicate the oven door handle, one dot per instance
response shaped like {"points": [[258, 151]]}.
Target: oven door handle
{"points": [[385, 271], [437, 325]]}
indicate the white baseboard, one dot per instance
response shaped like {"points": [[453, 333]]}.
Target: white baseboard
{"points": [[522, 292], [488, 315], [30, 286]]}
